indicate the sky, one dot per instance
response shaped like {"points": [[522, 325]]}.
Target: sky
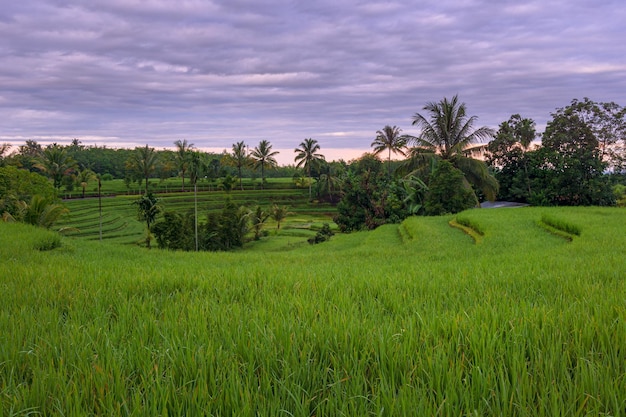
{"points": [[126, 73]]}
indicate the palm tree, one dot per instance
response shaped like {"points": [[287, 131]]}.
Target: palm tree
{"points": [[279, 213], [391, 140], [182, 157], [83, 177], [239, 158], [41, 211], [258, 217], [330, 180], [447, 133], [307, 156], [144, 162], [264, 157], [56, 163]]}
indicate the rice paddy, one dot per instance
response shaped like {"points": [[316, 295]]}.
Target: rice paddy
{"points": [[410, 319]]}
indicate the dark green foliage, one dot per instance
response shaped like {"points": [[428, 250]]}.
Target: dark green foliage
{"points": [[147, 211], [322, 235], [568, 169], [369, 200], [448, 192], [223, 231], [175, 231]]}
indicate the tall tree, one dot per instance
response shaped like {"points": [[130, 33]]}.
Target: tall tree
{"points": [[144, 162], [148, 208], [447, 133], [264, 157], [572, 162], [4, 149], [307, 157], [389, 139], [607, 121], [182, 157], [508, 155], [239, 158], [56, 164]]}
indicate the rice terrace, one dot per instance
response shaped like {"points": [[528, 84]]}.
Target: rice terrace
{"points": [[184, 283]]}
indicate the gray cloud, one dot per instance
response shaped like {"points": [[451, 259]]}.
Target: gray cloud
{"points": [[152, 71]]}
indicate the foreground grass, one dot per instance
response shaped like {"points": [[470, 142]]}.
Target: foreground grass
{"points": [[414, 319]]}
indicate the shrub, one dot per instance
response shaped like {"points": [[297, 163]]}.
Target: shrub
{"points": [[322, 235], [48, 242], [448, 192]]}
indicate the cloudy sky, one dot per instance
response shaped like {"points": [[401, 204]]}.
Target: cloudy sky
{"points": [[135, 72]]}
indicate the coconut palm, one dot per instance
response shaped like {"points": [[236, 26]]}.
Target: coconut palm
{"points": [[264, 157], [330, 180], [144, 162], [279, 213], [40, 211], [447, 133], [239, 158], [83, 177], [389, 139], [182, 157], [258, 217], [308, 157], [56, 163]]}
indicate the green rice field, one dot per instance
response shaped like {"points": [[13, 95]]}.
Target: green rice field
{"points": [[511, 312]]}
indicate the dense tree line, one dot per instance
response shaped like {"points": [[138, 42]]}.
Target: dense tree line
{"points": [[449, 165], [579, 160]]}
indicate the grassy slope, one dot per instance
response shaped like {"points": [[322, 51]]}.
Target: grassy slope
{"points": [[406, 320]]}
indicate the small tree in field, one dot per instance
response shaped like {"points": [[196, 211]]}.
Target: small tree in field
{"points": [[278, 214], [147, 210], [257, 220]]}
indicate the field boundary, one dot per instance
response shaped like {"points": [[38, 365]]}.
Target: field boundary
{"points": [[477, 236]]}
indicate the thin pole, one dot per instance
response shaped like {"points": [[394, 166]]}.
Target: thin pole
{"points": [[195, 196], [100, 205]]}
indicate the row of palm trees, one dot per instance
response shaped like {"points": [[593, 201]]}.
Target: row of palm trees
{"points": [[446, 133]]}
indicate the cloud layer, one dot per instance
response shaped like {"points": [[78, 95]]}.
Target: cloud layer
{"points": [[131, 72]]}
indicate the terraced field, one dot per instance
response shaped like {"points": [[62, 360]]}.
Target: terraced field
{"points": [[120, 223]]}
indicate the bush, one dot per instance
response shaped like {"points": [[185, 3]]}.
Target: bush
{"points": [[448, 192], [48, 242], [322, 235]]}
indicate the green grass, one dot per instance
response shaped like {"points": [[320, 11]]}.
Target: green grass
{"points": [[411, 319]]}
